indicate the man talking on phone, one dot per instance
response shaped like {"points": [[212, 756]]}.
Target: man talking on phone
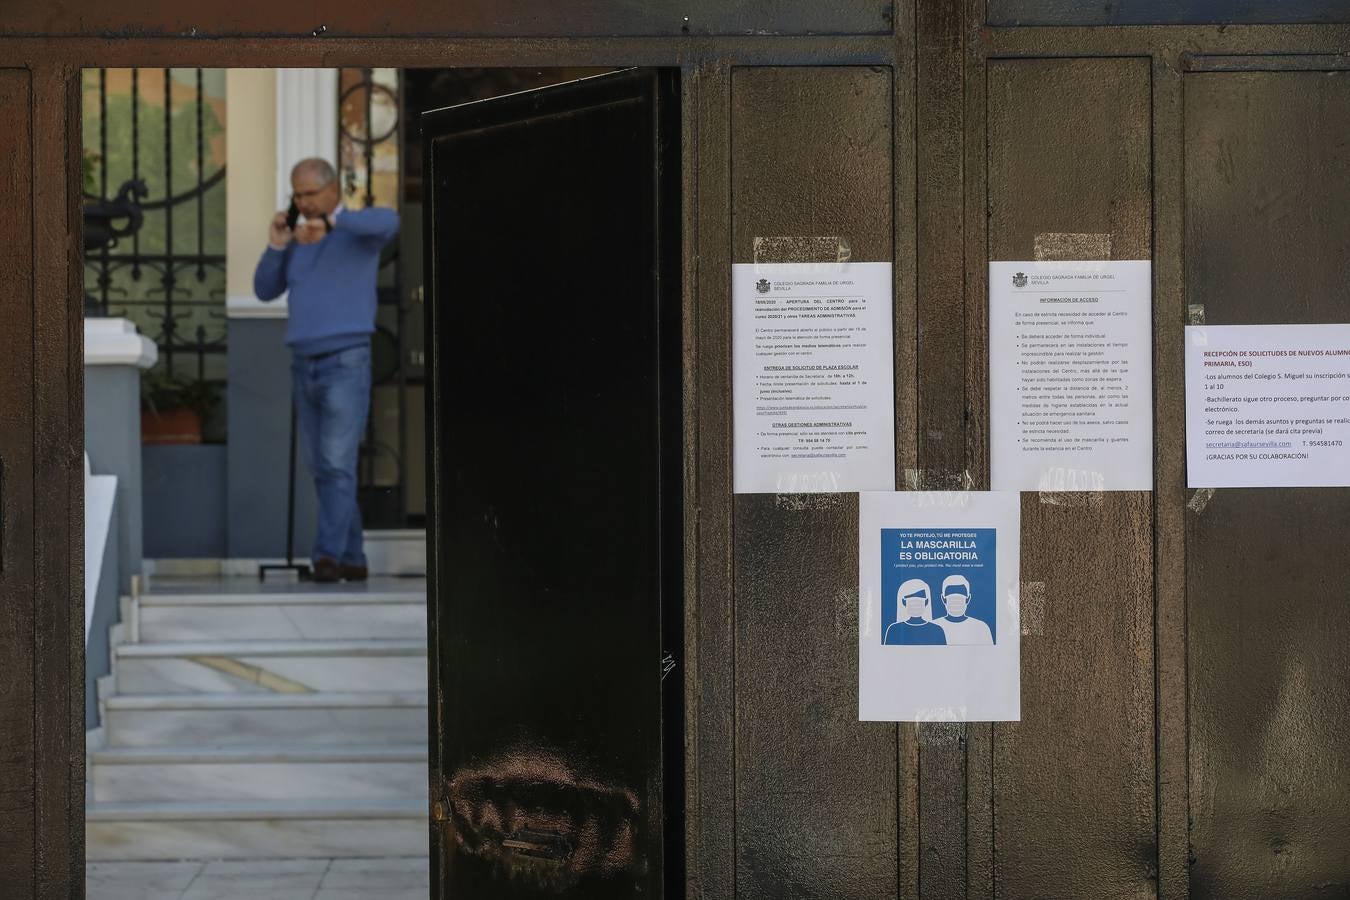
{"points": [[328, 257]]}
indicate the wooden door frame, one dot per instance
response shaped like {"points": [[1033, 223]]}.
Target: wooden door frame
{"points": [[939, 179], [56, 63]]}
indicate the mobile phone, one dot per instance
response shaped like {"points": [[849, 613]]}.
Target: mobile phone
{"points": [[292, 216]]}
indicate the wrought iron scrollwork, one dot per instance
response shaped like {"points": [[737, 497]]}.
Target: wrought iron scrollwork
{"points": [[166, 274], [100, 232]]}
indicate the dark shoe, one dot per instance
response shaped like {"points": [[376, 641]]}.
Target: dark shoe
{"points": [[353, 573], [326, 569]]}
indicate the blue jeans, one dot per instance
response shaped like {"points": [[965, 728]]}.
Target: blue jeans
{"points": [[332, 403]]}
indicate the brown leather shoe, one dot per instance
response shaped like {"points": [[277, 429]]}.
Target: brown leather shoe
{"points": [[353, 573], [326, 569]]}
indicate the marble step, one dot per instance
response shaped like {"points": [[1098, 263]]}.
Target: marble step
{"points": [[277, 615], [233, 719], [401, 552], [256, 830], [270, 666], [271, 772]]}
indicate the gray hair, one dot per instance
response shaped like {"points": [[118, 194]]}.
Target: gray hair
{"points": [[318, 167]]}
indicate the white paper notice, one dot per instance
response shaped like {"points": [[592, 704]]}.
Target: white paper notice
{"points": [[813, 389], [1071, 376], [938, 628], [1268, 406]]}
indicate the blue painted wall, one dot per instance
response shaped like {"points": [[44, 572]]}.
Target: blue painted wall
{"points": [[259, 404], [184, 501], [112, 438]]}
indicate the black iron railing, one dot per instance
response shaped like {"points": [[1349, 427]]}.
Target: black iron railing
{"points": [[168, 276], [361, 141]]}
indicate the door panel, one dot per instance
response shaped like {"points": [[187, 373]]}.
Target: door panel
{"points": [[556, 489], [1165, 12], [17, 788], [1267, 173], [816, 791], [1075, 817]]}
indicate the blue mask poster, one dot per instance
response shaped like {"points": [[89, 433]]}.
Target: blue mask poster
{"points": [[938, 629], [938, 586]]}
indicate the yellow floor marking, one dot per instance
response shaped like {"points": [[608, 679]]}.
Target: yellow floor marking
{"points": [[270, 680]]}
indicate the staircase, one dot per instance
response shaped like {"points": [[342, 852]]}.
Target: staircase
{"points": [[247, 721]]}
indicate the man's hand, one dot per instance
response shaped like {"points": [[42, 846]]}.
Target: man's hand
{"points": [[279, 235], [310, 232]]}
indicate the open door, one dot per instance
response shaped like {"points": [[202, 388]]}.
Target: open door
{"points": [[555, 491]]}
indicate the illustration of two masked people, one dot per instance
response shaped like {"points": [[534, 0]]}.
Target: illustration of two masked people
{"points": [[915, 623]]}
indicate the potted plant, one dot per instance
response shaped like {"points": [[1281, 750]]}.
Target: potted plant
{"points": [[173, 408]]}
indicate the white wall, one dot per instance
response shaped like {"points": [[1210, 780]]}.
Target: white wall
{"points": [[250, 188]]}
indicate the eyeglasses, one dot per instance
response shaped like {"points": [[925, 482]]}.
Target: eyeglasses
{"points": [[305, 195]]}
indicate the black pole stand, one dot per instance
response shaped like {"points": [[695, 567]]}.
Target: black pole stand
{"points": [[300, 569]]}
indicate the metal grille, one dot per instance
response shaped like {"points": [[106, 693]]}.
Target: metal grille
{"points": [[370, 128], [166, 128]]}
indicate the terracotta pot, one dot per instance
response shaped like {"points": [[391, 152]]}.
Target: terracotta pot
{"points": [[171, 426]]}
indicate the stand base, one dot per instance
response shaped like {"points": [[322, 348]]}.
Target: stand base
{"points": [[301, 570]]}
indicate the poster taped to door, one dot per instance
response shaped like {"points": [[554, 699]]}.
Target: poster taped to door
{"points": [[812, 371], [1267, 406], [1071, 376], [938, 620]]}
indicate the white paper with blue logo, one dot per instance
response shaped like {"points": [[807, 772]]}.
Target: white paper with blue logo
{"points": [[1071, 376], [939, 632], [812, 378]]}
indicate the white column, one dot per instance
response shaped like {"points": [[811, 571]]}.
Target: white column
{"points": [[116, 342], [307, 117], [250, 187]]}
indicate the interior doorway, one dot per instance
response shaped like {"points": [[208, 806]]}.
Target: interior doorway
{"points": [[242, 728]]}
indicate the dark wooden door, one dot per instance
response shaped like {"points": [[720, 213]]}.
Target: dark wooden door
{"points": [[41, 524], [555, 406], [16, 483]]}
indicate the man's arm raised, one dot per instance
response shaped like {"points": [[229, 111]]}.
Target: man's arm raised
{"points": [[269, 278], [373, 222]]}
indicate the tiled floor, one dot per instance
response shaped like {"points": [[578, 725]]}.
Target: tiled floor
{"points": [[288, 879]]}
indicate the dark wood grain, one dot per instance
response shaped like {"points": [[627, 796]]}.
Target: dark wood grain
{"points": [[979, 736], [463, 18], [1165, 12], [58, 474], [905, 163], [1267, 240], [943, 411], [710, 642], [1266, 761], [1074, 786], [1169, 494], [815, 788], [18, 585]]}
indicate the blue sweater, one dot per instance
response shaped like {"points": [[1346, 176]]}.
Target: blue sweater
{"points": [[331, 283]]}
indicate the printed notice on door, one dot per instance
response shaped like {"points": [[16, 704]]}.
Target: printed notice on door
{"points": [[1268, 406], [1071, 376], [938, 623], [813, 388]]}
